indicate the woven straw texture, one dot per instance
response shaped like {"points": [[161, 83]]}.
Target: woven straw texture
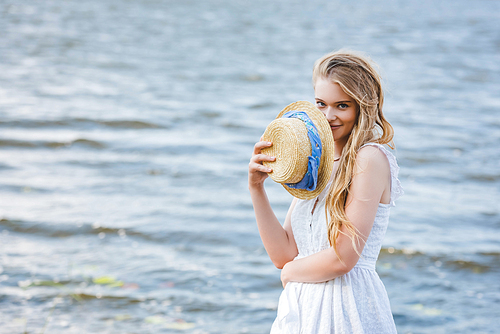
{"points": [[291, 147]]}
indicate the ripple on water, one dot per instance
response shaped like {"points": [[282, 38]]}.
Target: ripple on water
{"points": [[78, 123], [79, 142], [477, 263], [142, 117]]}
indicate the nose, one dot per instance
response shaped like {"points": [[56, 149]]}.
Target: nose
{"points": [[330, 114]]}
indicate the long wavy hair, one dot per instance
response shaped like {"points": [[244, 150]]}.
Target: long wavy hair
{"points": [[356, 75]]}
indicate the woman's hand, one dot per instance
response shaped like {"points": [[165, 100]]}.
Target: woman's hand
{"points": [[257, 172], [284, 275]]}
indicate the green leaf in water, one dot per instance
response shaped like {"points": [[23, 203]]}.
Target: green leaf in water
{"points": [[426, 310], [122, 317], [179, 325], [432, 311], [110, 281], [155, 320]]}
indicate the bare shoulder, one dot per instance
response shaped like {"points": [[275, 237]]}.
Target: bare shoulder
{"points": [[371, 158], [372, 175]]}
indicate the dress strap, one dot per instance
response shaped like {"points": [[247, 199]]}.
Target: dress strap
{"points": [[396, 188]]}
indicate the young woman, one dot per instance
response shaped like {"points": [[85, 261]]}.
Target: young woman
{"points": [[328, 246]]}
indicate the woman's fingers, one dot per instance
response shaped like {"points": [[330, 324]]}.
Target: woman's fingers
{"points": [[257, 171], [260, 145], [262, 157], [256, 163], [260, 168]]}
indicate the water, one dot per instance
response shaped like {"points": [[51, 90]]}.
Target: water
{"points": [[125, 133]]}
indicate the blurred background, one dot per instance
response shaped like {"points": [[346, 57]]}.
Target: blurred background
{"points": [[126, 127]]}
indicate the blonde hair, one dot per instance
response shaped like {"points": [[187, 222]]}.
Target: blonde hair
{"points": [[356, 75]]}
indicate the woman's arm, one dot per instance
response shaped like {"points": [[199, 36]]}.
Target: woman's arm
{"points": [[370, 182], [278, 240]]}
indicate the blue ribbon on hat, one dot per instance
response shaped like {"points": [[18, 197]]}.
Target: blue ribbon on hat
{"points": [[310, 179]]}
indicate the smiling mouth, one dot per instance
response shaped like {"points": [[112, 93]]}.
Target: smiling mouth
{"points": [[334, 127]]}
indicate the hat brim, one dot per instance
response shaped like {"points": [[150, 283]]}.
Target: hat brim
{"points": [[327, 156]]}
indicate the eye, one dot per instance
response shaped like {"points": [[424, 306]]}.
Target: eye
{"points": [[343, 106], [320, 104]]}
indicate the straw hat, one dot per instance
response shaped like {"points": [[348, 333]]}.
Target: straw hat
{"points": [[292, 147]]}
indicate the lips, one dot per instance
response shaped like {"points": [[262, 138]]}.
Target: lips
{"points": [[334, 127]]}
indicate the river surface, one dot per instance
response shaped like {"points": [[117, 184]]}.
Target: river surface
{"points": [[125, 133]]}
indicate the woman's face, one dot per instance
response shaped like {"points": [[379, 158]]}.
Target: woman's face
{"points": [[340, 109]]}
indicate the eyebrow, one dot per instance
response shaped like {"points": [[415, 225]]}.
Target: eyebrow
{"points": [[336, 102]]}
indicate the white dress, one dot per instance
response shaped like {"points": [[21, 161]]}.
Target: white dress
{"points": [[356, 302]]}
